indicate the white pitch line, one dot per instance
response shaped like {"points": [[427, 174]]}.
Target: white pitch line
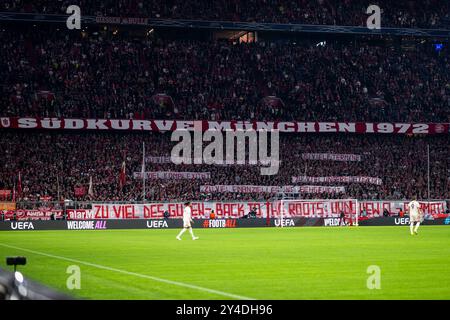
{"points": [[176, 283]]}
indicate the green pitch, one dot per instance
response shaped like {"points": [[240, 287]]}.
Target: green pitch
{"points": [[259, 263]]}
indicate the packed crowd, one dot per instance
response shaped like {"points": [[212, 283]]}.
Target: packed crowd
{"points": [[53, 163], [46, 73], [420, 14]]}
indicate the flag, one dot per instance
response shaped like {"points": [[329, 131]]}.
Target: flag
{"points": [[91, 188], [143, 171], [79, 191], [143, 161], [19, 185], [14, 193], [57, 187], [122, 176]]}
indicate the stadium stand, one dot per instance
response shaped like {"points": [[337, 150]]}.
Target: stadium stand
{"points": [[47, 73], [45, 157], [407, 14], [100, 74], [366, 129]]}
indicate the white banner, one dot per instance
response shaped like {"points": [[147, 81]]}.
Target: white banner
{"points": [[319, 208], [331, 156], [313, 208], [172, 175], [200, 209], [374, 208], [158, 159], [337, 179], [270, 189], [168, 159], [224, 209]]}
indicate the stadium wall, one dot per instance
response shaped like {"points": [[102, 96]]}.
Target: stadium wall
{"points": [[202, 223]]}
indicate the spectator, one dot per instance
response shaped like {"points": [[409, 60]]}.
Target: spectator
{"points": [[322, 83], [63, 162], [166, 214]]}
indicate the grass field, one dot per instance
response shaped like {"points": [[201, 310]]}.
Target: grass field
{"points": [[258, 263]]}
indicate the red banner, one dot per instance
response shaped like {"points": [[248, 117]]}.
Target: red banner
{"points": [[171, 125], [121, 20], [79, 191], [33, 214]]}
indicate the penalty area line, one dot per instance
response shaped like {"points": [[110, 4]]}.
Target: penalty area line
{"points": [[139, 275]]}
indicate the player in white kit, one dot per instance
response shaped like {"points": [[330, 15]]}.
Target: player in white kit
{"points": [[187, 220], [415, 216]]}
